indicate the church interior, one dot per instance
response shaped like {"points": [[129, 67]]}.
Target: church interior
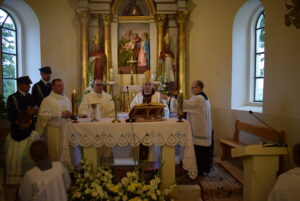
{"points": [[244, 51]]}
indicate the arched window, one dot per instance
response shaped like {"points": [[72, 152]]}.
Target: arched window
{"points": [[259, 58], [9, 60], [248, 57]]}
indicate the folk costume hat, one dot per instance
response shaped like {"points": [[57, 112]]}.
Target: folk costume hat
{"points": [[24, 80], [46, 69]]}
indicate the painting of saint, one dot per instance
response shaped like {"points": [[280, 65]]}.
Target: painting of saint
{"points": [[134, 45]]}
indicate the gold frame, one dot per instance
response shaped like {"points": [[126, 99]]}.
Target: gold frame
{"points": [[149, 3]]}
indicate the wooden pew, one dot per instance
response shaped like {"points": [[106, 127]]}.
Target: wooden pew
{"points": [[235, 142]]}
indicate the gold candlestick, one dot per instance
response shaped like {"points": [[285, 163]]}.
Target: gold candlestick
{"points": [[116, 120], [74, 106], [180, 106], [131, 64]]}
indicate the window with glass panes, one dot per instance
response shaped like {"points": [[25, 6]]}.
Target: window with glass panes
{"points": [[259, 71], [9, 68]]}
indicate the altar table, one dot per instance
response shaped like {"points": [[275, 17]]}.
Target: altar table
{"points": [[92, 135]]}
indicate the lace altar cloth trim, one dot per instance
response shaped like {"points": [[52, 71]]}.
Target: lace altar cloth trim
{"points": [[104, 132]]}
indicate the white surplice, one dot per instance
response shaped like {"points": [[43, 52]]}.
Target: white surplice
{"points": [[199, 116], [105, 105], [287, 186], [18, 159], [48, 185], [50, 121]]}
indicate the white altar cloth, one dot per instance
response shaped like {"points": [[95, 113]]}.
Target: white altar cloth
{"points": [[97, 134]]}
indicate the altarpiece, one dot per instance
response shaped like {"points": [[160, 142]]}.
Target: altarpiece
{"points": [[121, 39]]}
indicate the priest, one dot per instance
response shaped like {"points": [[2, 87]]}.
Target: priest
{"points": [[146, 96], [105, 104], [55, 110], [42, 89]]}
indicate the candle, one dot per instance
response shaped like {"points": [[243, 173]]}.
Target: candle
{"points": [[111, 74], [74, 104], [180, 104]]}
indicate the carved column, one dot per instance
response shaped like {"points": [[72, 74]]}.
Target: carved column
{"points": [[84, 16], [160, 21], [181, 18]]}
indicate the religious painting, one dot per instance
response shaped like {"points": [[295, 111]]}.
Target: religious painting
{"points": [[133, 48]]}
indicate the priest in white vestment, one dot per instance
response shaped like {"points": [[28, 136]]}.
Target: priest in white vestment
{"points": [[55, 111], [47, 181], [149, 95], [287, 185], [105, 105], [105, 109], [199, 116]]}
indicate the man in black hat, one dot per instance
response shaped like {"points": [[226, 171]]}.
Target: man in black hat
{"points": [[42, 89], [20, 101]]}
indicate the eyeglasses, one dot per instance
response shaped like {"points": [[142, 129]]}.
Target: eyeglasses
{"points": [[98, 85], [194, 87]]}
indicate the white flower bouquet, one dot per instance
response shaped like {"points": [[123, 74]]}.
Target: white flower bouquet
{"points": [[97, 186]]}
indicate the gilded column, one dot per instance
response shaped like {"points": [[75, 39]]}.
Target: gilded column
{"points": [[160, 21], [84, 16], [107, 45], [181, 18]]}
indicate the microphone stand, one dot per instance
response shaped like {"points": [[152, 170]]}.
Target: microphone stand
{"points": [[280, 143]]}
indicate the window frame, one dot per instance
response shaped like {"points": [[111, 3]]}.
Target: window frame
{"points": [[7, 53], [256, 54]]}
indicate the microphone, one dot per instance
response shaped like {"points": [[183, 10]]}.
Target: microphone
{"points": [[280, 144]]}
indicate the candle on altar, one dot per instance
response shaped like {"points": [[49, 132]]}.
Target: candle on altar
{"points": [[74, 104], [180, 104], [111, 74]]}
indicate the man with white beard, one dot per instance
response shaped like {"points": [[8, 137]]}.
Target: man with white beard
{"points": [[55, 110], [105, 103]]}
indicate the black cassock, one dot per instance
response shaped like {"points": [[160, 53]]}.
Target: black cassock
{"points": [[17, 103], [40, 91]]}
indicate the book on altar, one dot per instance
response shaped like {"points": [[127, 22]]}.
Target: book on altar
{"points": [[147, 112]]}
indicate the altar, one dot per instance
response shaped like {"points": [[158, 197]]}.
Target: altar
{"points": [[92, 135]]}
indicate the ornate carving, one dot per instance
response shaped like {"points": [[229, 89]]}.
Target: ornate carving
{"points": [[160, 19], [182, 16], [84, 15], [106, 19], [293, 15]]}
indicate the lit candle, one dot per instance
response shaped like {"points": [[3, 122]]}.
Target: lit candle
{"points": [[74, 104]]}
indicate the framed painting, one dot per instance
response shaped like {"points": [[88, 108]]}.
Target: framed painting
{"points": [[133, 48]]}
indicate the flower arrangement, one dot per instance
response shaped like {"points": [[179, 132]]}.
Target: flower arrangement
{"points": [[163, 87], [98, 186]]}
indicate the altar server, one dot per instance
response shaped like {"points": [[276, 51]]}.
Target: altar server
{"points": [[199, 116], [105, 105], [287, 185], [55, 110], [47, 181], [42, 89], [17, 148]]}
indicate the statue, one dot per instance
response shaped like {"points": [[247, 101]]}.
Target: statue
{"points": [[132, 9], [167, 61], [97, 62]]}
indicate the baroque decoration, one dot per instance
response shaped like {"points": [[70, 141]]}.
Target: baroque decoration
{"points": [[293, 15]]}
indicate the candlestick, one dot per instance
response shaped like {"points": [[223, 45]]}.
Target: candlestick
{"points": [[180, 106], [74, 105]]}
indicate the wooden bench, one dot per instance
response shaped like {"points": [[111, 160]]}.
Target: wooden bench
{"points": [[262, 132]]}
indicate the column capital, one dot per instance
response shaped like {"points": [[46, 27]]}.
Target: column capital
{"points": [[182, 16], [160, 19], [106, 19], [84, 15]]}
